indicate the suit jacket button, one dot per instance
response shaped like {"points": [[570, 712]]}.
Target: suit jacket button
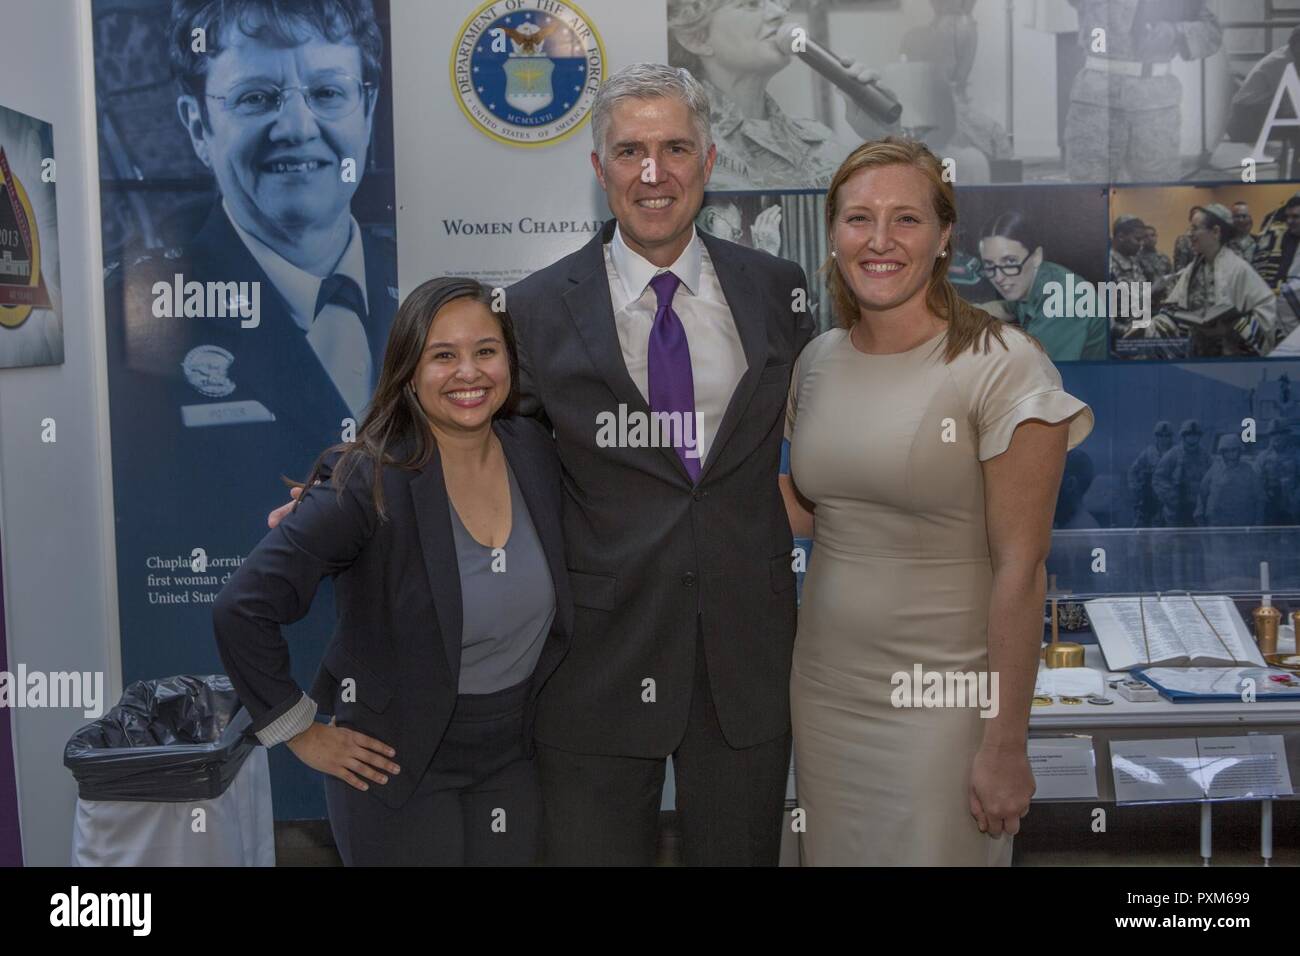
{"points": [[699, 495], [688, 579]]}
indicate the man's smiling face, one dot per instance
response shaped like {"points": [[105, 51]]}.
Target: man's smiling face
{"points": [[280, 173], [653, 172]]}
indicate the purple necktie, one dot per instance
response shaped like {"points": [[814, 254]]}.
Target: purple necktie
{"points": [[668, 368]]}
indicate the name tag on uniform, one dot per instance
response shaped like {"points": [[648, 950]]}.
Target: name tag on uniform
{"points": [[225, 413]]}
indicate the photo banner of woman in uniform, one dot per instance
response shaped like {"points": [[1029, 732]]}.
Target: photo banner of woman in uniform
{"points": [[1039, 253], [246, 178], [1053, 91]]}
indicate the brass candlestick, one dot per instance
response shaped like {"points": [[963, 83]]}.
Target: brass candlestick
{"points": [[1061, 653], [1267, 619]]}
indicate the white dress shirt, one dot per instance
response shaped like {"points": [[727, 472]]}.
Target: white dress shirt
{"points": [[337, 335], [717, 356]]}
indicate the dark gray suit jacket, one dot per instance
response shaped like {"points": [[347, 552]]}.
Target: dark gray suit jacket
{"points": [[649, 555], [398, 598]]}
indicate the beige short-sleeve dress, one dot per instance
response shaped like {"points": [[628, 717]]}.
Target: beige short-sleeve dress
{"points": [[889, 447]]}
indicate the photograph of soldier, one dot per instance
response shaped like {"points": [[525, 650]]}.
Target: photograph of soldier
{"points": [[1177, 483], [1128, 236], [250, 283], [734, 47], [1243, 243], [1220, 284], [1278, 467], [780, 124], [1011, 241], [1125, 112], [1226, 281], [1183, 251], [1094, 91], [1276, 261], [1036, 293], [1232, 494], [950, 43], [1277, 240], [1147, 511], [1166, 90], [1154, 260], [1171, 460]]}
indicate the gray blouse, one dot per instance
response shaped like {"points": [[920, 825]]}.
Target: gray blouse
{"points": [[508, 602]]}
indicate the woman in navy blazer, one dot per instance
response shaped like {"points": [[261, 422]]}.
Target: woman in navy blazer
{"points": [[441, 527]]}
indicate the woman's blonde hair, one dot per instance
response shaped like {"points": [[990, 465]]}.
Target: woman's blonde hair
{"points": [[969, 328]]}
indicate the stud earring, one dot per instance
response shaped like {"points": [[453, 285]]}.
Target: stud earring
{"points": [[943, 253], [833, 254]]}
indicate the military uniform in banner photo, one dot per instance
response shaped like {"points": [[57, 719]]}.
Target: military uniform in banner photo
{"points": [[208, 412], [1125, 108], [250, 283]]}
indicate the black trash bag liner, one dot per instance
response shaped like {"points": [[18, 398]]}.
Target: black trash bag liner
{"points": [[167, 741]]}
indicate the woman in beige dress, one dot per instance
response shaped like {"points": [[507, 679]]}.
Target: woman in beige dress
{"points": [[927, 445]]}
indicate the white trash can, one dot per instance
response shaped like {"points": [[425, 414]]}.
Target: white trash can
{"points": [[170, 778]]}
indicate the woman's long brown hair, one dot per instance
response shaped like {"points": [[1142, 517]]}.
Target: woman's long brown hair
{"points": [[969, 327], [395, 422]]}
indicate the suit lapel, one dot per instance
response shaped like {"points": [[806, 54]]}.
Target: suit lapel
{"points": [[592, 311], [438, 545], [750, 315], [545, 517]]}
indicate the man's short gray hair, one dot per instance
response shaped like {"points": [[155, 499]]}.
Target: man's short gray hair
{"points": [[645, 81]]}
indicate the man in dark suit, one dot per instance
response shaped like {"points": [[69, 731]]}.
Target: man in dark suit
{"points": [[679, 557], [242, 353]]}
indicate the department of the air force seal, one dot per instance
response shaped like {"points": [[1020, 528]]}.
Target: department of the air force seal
{"points": [[526, 75], [206, 368]]}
